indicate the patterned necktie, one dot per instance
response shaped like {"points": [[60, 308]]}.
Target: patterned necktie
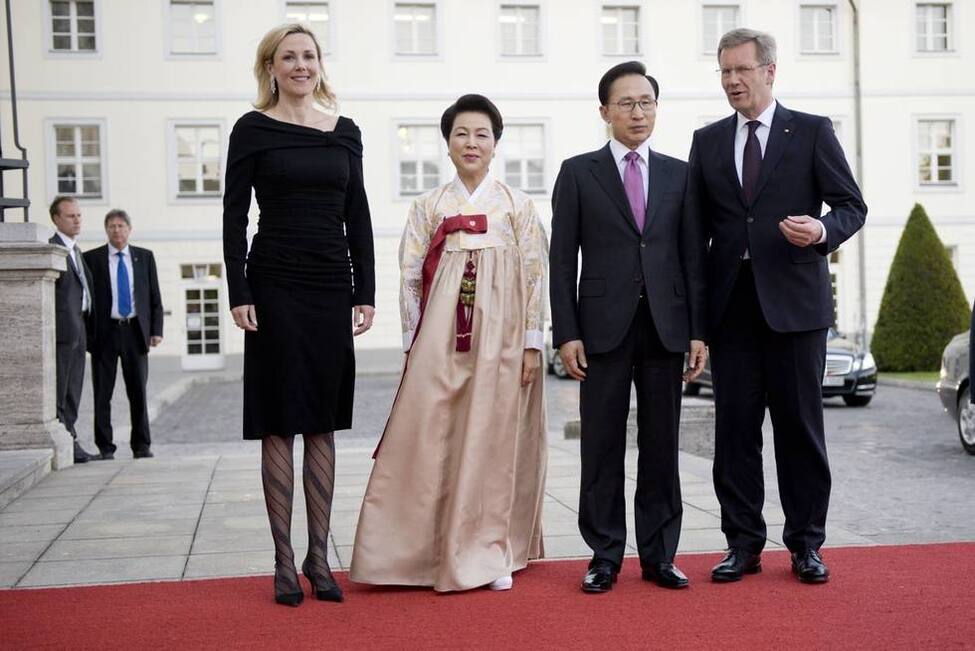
{"points": [[633, 184], [751, 162], [85, 294], [124, 291]]}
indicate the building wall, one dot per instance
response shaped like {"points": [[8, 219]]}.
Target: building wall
{"points": [[135, 89]]}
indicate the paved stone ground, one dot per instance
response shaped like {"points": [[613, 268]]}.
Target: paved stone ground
{"points": [[196, 510]]}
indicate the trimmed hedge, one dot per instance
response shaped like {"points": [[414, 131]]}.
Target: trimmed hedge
{"points": [[923, 306]]}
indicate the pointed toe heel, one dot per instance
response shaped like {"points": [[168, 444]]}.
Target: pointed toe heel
{"points": [[325, 588]]}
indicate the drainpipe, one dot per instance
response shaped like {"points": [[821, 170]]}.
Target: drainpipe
{"points": [[858, 128]]}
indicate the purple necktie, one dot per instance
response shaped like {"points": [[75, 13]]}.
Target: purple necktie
{"points": [[751, 162], [633, 184]]}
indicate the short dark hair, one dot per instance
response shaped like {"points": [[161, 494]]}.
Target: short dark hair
{"points": [[472, 103], [55, 208], [622, 70], [119, 214]]}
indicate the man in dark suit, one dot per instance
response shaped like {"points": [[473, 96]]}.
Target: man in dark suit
{"points": [[760, 178], [129, 322], [640, 307], [72, 307]]}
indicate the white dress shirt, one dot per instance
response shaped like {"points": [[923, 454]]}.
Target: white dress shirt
{"points": [[620, 151], [75, 254], [762, 133], [113, 277]]}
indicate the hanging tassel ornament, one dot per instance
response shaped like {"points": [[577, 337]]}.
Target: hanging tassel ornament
{"points": [[465, 305]]}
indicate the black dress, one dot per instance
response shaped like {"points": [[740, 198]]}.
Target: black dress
{"points": [[311, 260]]}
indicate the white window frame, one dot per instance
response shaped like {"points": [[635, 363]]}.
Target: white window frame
{"points": [[542, 41], [952, 45], [703, 48], [501, 160], [438, 24], [838, 16], [444, 164], [328, 48], [47, 46], [172, 162], [189, 56], [958, 175], [640, 29], [203, 360], [50, 147]]}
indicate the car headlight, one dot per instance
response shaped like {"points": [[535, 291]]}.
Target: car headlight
{"points": [[865, 363]]}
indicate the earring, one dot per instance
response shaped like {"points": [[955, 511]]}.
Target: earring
{"points": [[274, 86]]}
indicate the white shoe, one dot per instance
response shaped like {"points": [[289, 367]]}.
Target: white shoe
{"points": [[502, 583]]}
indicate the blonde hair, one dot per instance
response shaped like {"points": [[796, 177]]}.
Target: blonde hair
{"points": [[265, 54]]}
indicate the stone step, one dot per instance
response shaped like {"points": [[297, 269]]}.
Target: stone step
{"points": [[21, 469]]}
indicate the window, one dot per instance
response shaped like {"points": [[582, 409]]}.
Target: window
{"points": [[933, 34], [935, 147], [211, 271], [717, 20], [203, 321], [78, 159], [952, 251], [197, 160], [621, 30], [314, 14], [72, 25], [520, 30], [817, 29], [416, 28], [524, 157], [193, 27], [419, 158]]}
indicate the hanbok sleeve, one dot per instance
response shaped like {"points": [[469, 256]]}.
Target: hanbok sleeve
{"points": [[533, 244], [412, 251]]}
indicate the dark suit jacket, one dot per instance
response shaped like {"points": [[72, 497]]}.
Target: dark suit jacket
{"points": [[803, 168], [69, 298], [590, 211], [148, 302]]}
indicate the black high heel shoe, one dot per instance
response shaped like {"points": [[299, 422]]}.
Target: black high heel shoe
{"points": [[325, 588], [293, 598]]}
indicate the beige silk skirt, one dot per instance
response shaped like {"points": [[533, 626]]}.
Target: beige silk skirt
{"points": [[455, 496]]}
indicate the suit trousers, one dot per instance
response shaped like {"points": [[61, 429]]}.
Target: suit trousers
{"points": [[604, 408], [70, 364], [123, 342], [754, 367]]}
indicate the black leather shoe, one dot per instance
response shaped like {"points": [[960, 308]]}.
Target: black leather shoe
{"points": [[666, 575], [736, 564], [81, 455], [324, 586], [106, 455], [599, 578], [143, 454], [809, 567]]}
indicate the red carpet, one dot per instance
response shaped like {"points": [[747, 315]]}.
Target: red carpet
{"points": [[910, 597]]}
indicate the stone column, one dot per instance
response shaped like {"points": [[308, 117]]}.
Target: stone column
{"points": [[28, 268]]}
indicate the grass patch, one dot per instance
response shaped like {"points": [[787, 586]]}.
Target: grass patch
{"points": [[918, 376]]}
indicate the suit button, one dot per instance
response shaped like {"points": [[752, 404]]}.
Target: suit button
{"points": [[749, 219], [643, 245]]}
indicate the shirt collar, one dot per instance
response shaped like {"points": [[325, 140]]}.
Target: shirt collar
{"points": [[112, 250], [620, 150], [68, 241], [765, 118]]}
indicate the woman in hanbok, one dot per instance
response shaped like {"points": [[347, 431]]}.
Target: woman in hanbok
{"points": [[455, 497]]}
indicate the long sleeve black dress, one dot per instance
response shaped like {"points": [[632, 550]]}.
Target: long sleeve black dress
{"points": [[311, 260]]}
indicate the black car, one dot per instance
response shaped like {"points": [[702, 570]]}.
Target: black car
{"points": [[851, 372], [954, 389]]}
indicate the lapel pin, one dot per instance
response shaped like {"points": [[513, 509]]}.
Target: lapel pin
{"points": [[787, 131]]}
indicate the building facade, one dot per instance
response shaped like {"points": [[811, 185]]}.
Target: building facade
{"points": [[129, 104]]}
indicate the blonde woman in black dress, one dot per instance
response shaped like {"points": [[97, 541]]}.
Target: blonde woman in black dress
{"points": [[304, 289]]}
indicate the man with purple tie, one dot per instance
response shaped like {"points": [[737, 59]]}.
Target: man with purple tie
{"points": [[129, 322], [630, 316], [760, 178]]}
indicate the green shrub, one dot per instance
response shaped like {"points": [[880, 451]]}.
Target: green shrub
{"points": [[923, 305]]}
